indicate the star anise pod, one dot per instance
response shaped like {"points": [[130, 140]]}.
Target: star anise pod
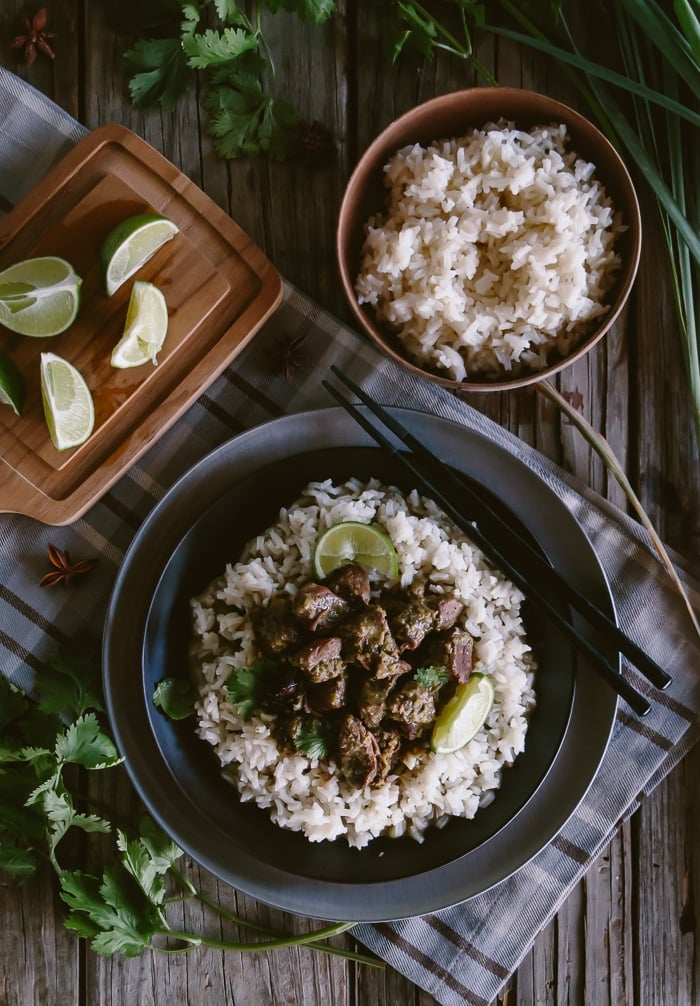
{"points": [[64, 569], [288, 354], [312, 143], [35, 37]]}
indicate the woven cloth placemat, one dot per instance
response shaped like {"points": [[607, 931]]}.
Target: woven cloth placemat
{"points": [[464, 954]]}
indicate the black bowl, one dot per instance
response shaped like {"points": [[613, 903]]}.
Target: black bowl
{"points": [[203, 523]]}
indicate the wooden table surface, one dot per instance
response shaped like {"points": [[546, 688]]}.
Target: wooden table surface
{"points": [[628, 933]]}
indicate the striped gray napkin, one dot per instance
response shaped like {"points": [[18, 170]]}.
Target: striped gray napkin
{"points": [[464, 954]]}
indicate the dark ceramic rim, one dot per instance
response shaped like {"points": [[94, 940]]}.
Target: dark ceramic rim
{"points": [[492, 97], [583, 746]]}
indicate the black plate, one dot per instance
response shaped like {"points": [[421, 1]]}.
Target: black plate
{"points": [[199, 526]]}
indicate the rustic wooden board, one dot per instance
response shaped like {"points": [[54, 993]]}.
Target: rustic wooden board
{"points": [[219, 288]]}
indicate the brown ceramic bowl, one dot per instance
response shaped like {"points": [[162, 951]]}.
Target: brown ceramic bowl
{"points": [[452, 115]]}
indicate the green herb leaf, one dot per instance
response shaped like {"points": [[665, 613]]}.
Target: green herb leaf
{"points": [[17, 819], [242, 689], [18, 863], [316, 11], [431, 677], [312, 738], [149, 858], [227, 10], [70, 685], [246, 686], [161, 74], [83, 743], [175, 697], [114, 912], [214, 48], [62, 816], [245, 122], [161, 848]]}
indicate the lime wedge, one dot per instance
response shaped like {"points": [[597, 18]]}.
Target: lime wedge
{"points": [[145, 328], [352, 541], [463, 716], [12, 390], [39, 297], [132, 243], [68, 406]]}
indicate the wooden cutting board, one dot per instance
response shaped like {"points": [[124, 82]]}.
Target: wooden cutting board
{"points": [[218, 284]]}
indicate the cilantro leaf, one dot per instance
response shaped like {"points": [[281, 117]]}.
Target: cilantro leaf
{"points": [[175, 697], [113, 912], [17, 819], [34, 755], [192, 15], [227, 9], [246, 686], [246, 121], [139, 864], [70, 685], [161, 848], [431, 677], [148, 858], [62, 815], [213, 48], [18, 863], [161, 74], [83, 743], [316, 11], [312, 738], [243, 691]]}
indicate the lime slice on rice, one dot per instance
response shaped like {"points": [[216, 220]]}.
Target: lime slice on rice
{"points": [[12, 389], [145, 328], [463, 716], [365, 544], [131, 244], [39, 296], [68, 405]]}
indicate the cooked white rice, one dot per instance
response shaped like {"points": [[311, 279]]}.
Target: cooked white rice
{"points": [[310, 796], [496, 249]]}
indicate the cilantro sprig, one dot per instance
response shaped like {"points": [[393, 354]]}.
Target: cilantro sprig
{"points": [[431, 677], [313, 737], [46, 745], [246, 118], [246, 686]]}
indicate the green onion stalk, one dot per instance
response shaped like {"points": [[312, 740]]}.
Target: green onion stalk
{"points": [[660, 52]]}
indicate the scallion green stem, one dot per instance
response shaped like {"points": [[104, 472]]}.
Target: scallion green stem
{"points": [[300, 940]]}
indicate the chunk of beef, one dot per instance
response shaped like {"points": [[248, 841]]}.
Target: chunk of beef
{"points": [[371, 702], [319, 660], [412, 708], [358, 752], [330, 694], [452, 650], [350, 582], [366, 635], [389, 742], [412, 624], [447, 611], [276, 629], [317, 607], [388, 665]]}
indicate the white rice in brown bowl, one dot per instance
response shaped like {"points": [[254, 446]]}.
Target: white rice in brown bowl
{"points": [[311, 796], [496, 251]]}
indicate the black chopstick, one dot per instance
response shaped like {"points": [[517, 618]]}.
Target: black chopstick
{"points": [[634, 653], [612, 675]]}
